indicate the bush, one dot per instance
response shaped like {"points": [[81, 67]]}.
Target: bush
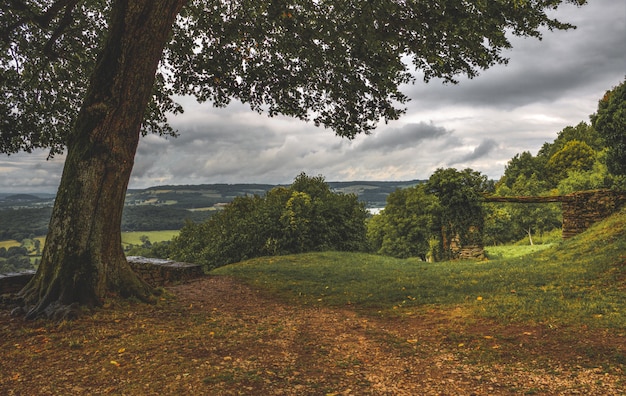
{"points": [[405, 227], [307, 216]]}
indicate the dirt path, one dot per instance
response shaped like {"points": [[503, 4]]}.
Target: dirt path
{"points": [[219, 337], [321, 350]]}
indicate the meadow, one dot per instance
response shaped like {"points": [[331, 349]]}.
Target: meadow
{"points": [[579, 280], [134, 237], [128, 238]]}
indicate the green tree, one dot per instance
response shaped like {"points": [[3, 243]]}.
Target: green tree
{"points": [[582, 132], [596, 177], [574, 156], [405, 227], [90, 76], [498, 224], [524, 164], [460, 196], [307, 216], [529, 218], [610, 122]]}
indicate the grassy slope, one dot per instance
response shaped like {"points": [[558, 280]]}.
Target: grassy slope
{"points": [[578, 281]]}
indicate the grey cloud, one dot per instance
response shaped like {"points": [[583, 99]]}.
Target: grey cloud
{"points": [[590, 58], [484, 148], [24, 172], [406, 137]]}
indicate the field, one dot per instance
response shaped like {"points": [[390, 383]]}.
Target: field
{"points": [[134, 238], [128, 238], [550, 322], [8, 243]]}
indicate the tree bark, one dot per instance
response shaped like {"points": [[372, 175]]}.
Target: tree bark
{"points": [[83, 260]]}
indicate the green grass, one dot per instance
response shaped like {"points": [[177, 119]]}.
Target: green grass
{"points": [[541, 239], [128, 238], [8, 243], [578, 281], [134, 237], [511, 251], [12, 242]]}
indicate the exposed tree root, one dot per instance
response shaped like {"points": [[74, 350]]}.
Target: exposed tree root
{"points": [[51, 301]]}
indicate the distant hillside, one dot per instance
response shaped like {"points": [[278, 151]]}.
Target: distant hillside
{"points": [[373, 193], [167, 207], [21, 197], [14, 201]]}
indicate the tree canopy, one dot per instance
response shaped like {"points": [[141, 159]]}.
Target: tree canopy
{"points": [[297, 58], [405, 227], [460, 197], [610, 122]]}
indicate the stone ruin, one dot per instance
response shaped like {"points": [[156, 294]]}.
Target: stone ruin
{"points": [[580, 210]]}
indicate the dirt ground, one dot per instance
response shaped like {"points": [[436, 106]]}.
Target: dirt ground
{"points": [[216, 336]]}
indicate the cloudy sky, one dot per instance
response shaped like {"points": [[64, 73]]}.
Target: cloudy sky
{"points": [[479, 123]]}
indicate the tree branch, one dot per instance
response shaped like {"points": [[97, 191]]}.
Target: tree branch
{"points": [[43, 21], [64, 22]]}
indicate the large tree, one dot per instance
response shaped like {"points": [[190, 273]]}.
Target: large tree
{"points": [[86, 75], [406, 226], [610, 122], [460, 216]]}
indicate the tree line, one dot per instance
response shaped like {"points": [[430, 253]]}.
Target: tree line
{"points": [[18, 258], [418, 221]]}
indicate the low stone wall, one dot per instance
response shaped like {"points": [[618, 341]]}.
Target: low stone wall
{"points": [[582, 209], [472, 253], [14, 282], [156, 272], [159, 272]]}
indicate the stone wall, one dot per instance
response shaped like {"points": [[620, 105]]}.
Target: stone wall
{"points": [[582, 209], [472, 253], [159, 272], [14, 282], [156, 272]]}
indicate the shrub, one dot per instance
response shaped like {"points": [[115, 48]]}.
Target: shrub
{"points": [[306, 216]]}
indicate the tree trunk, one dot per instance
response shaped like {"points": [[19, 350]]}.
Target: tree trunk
{"points": [[83, 260], [530, 236]]}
